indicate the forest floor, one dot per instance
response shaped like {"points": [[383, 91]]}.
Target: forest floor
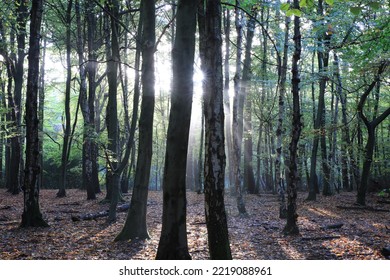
{"points": [[363, 233]]}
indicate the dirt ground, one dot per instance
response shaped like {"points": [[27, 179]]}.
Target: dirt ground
{"points": [[363, 233]]}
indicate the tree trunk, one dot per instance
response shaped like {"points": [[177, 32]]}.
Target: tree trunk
{"points": [[291, 227], [135, 225], [319, 126], [173, 240], [214, 169], [92, 84], [67, 127], [238, 110], [279, 131], [113, 178], [31, 212], [249, 176], [371, 126], [41, 112], [16, 145]]}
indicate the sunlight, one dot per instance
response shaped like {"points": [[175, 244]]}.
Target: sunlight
{"points": [[323, 212], [290, 250]]}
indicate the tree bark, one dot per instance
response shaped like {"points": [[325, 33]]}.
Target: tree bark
{"points": [[16, 145], [135, 225], [371, 126], [113, 176], [279, 131], [291, 227], [238, 111], [32, 216], [67, 126], [214, 169], [249, 176], [173, 240]]}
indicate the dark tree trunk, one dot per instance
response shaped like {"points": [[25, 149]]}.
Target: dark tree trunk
{"points": [[113, 178], [291, 227], [249, 176], [280, 131], [173, 241], [86, 152], [371, 126], [218, 236], [135, 225], [41, 113], [31, 213], [16, 145], [92, 84], [319, 126], [67, 126]]}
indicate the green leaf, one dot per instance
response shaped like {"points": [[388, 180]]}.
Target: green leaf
{"points": [[375, 5], [329, 2], [294, 12], [310, 3], [356, 10], [285, 6], [303, 3]]}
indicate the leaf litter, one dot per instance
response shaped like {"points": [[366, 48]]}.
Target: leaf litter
{"points": [[326, 231]]}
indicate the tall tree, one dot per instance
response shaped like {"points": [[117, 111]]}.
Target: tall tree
{"points": [[371, 126], [282, 76], [112, 153], [31, 212], [214, 167], [67, 126], [249, 176], [135, 225], [15, 100], [237, 112], [319, 123], [291, 227], [173, 240]]}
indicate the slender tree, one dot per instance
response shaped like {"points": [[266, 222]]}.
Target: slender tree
{"points": [[291, 227], [31, 212], [112, 153], [173, 240], [282, 74], [67, 126], [214, 167], [135, 225], [371, 126], [249, 176], [237, 112]]}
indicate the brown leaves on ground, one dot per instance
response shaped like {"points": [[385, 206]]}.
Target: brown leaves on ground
{"points": [[362, 234]]}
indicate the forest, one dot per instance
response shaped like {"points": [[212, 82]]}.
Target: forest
{"points": [[194, 129]]}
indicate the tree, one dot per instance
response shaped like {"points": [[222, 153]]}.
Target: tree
{"points": [[135, 225], [173, 240], [238, 112], [112, 152], [371, 126], [67, 126], [282, 76], [16, 145], [31, 212], [291, 227], [214, 167], [319, 123], [249, 177]]}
